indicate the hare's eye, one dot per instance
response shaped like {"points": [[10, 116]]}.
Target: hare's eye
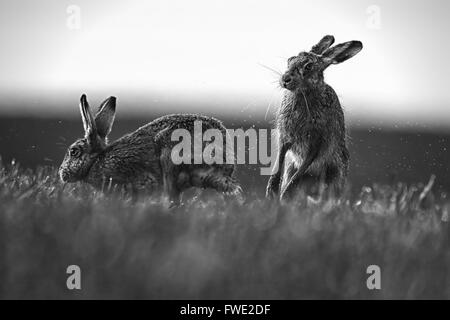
{"points": [[74, 152], [308, 67]]}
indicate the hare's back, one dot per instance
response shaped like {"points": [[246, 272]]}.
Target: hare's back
{"points": [[183, 121]]}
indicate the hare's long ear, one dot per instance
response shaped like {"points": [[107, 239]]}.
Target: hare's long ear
{"points": [[341, 52], [88, 120], [104, 118], [323, 45]]}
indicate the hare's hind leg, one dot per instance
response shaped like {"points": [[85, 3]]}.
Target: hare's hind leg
{"points": [[169, 177], [216, 178], [335, 180]]}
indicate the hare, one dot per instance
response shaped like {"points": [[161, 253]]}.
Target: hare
{"points": [[141, 161], [313, 154]]}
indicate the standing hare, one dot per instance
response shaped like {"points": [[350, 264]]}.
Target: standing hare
{"points": [[141, 161], [313, 154]]}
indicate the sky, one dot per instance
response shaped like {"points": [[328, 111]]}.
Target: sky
{"points": [[213, 55]]}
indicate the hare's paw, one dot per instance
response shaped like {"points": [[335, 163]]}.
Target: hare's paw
{"points": [[270, 193], [233, 188], [170, 202], [287, 195], [174, 204], [237, 193]]}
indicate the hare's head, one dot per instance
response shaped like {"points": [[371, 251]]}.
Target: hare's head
{"points": [[82, 153], [305, 71]]}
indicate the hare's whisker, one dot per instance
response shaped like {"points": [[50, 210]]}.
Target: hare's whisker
{"points": [[270, 69]]}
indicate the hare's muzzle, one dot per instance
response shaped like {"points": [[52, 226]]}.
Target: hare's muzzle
{"points": [[64, 176], [287, 81]]}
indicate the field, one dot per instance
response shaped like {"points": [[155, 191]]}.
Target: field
{"points": [[213, 247]]}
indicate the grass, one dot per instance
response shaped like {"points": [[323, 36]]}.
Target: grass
{"points": [[214, 248]]}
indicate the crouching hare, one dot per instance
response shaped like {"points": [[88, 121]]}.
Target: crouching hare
{"points": [[313, 155], [140, 162]]}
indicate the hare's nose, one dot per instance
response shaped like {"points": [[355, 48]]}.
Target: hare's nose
{"points": [[286, 79], [63, 176]]}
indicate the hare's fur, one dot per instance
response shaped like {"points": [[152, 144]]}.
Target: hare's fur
{"points": [[313, 155], [141, 161]]}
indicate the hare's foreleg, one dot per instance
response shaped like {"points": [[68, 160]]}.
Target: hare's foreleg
{"points": [[169, 177], [273, 186], [289, 171]]}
